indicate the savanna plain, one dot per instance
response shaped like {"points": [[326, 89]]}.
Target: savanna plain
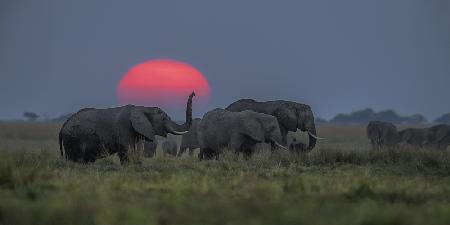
{"points": [[341, 181]]}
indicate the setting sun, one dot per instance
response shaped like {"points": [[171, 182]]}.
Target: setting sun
{"points": [[162, 83]]}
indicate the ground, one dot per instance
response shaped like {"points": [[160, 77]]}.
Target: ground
{"points": [[340, 182]]}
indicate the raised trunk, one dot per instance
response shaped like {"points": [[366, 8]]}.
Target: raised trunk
{"points": [[173, 127], [189, 110]]}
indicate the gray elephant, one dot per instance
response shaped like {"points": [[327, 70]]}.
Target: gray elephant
{"points": [[239, 131], [190, 139], [290, 115], [440, 136], [93, 133], [382, 134], [417, 137], [297, 146], [170, 147]]}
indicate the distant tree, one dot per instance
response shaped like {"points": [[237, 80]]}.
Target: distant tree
{"points": [[341, 118], [443, 119], [361, 116], [388, 116], [30, 116], [319, 120], [415, 119]]}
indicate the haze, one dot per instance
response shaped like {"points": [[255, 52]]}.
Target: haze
{"points": [[337, 56]]}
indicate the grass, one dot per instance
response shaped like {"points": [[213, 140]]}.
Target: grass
{"points": [[340, 182]]}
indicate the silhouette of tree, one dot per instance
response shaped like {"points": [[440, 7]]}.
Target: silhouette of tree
{"points": [[30, 116]]}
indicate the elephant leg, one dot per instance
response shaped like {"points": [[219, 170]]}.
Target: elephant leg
{"points": [[207, 153], [284, 132], [373, 144], [72, 149], [123, 155], [247, 148], [200, 155], [274, 147], [191, 151], [182, 151]]}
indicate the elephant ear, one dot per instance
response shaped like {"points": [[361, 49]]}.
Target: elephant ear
{"points": [[141, 124], [286, 118], [251, 128]]}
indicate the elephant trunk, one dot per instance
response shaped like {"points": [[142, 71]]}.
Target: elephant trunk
{"points": [[178, 129], [189, 110], [175, 128]]}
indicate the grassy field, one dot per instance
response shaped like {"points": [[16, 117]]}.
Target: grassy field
{"points": [[340, 182]]}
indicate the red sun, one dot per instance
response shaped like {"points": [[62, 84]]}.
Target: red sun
{"points": [[162, 83]]}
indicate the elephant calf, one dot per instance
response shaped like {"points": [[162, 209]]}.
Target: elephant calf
{"points": [[170, 147], [239, 131], [382, 134]]}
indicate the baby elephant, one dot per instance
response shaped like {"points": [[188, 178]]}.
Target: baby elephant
{"points": [[170, 147], [298, 146], [382, 134]]}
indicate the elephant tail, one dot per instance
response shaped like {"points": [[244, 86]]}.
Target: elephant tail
{"points": [[60, 145]]}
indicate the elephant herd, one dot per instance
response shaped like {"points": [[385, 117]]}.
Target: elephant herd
{"points": [[385, 135], [93, 133]]}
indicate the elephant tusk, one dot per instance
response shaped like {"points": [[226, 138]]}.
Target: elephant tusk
{"points": [[280, 146], [314, 136], [179, 132]]}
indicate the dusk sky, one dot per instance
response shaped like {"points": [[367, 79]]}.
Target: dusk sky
{"points": [[57, 56]]}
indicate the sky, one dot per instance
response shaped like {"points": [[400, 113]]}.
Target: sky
{"points": [[57, 56]]}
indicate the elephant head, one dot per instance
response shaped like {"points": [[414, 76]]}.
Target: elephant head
{"points": [[151, 121], [263, 128], [298, 116]]}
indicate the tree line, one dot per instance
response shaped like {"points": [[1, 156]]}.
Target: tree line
{"points": [[367, 115]]}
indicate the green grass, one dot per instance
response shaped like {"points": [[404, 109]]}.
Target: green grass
{"points": [[340, 182]]}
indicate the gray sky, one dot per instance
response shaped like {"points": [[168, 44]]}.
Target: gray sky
{"points": [[57, 56]]}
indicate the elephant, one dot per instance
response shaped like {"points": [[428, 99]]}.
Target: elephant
{"points": [[239, 131], [94, 133], [297, 146], [417, 137], [382, 134], [170, 147], [189, 140], [440, 136], [290, 116]]}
